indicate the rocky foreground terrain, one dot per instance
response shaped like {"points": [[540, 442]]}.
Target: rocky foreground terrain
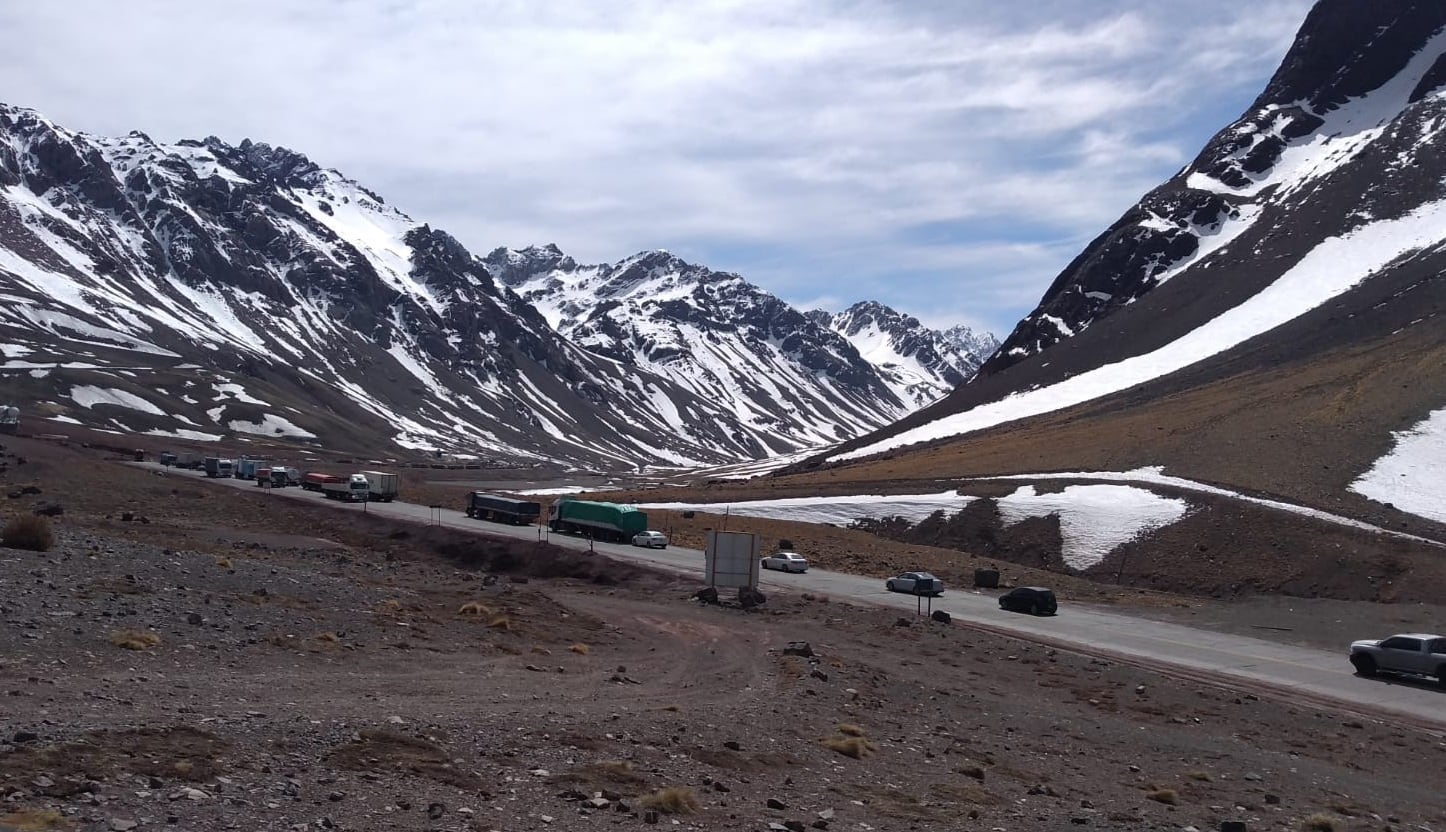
{"points": [[224, 661]]}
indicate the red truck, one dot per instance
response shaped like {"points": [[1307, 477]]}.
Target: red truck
{"points": [[314, 480]]}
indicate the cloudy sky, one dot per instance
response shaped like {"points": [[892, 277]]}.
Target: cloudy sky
{"points": [[947, 157]]}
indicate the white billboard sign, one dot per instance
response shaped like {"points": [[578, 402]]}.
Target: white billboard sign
{"points": [[731, 559]]}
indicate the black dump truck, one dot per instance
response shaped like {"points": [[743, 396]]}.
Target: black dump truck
{"points": [[500, 509]]}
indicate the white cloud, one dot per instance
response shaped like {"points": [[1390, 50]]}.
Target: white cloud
{"points": [[723, 128]]}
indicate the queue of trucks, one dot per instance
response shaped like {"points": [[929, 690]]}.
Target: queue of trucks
{"points": [[597, 520], [379, 486]]}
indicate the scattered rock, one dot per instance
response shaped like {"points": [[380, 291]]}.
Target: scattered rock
{"points": [[798, 648], [708, 595], [775, 803], [941, 616], [1232, 826], [749, 598], [436, 810], [732, 745]]}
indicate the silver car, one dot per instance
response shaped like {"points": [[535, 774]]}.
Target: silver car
{"points": [[915, 583], [1420, 654], [786, 562], [651, 540]]}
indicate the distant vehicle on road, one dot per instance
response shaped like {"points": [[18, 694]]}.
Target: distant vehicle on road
{"points": [[352, 489], [786, 562], [601, 521], [651, 540], [272, 477], [385, 486], [247, 467], [217, 467], [1035, 600], [500, 509], [314, 480], [1419, 654], [915, 583]]}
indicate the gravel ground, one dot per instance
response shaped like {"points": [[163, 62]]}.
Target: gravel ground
{"points": [[306, 674]]}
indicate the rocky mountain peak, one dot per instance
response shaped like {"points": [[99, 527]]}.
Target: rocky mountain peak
{"points": [[1344, 118]]}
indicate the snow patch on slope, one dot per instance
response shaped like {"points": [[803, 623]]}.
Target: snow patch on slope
{"points": [[1155, 474], [88, 396], [837, 510], [1412, 477], [1094, 520]]}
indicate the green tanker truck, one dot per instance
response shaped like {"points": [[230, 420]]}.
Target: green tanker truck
{"points": [[601, 521]]}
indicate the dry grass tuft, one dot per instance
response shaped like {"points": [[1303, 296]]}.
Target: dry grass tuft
{"points": [[1202, 776], [673, 708], [1319, 822], [34, 820], [856, 747], [540, 650], [580, 649], [674, 800], [183, 768], [329, 638], [30, 531], [848, 729], [474, 608], [134, 639], [1169, 797], [224, 563], [501, 622], [971, 770]]}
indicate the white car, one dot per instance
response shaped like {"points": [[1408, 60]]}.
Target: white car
{"points": [[786, 562], [651, 539]]}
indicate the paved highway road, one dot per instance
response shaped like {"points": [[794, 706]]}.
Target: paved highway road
{"points": [[1313, 677]]}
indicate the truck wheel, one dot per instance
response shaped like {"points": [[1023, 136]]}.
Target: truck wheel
{"points": [[1365, 665], [1441, 675]]}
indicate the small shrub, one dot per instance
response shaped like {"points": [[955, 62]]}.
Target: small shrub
{"points": [[855, 747], [540, 650], [971, 770], [674, 800], [224, 563], [501, 622], [473, 608], [673, 708], [1319, 822], [329, 638], [1202, 776], [28, 531], [134, 639], [34, 820], [850, 730], [1169, 797], [580, 649]]}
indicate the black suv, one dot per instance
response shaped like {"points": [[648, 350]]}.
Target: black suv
{"points": [[1031, 599]]}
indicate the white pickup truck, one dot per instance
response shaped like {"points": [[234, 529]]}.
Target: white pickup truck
{"points": [[1416, 653]]}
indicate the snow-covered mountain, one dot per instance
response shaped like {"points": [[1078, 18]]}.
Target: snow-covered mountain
{"points": [[783, 373], [204, 291], [1345, 134], [1271, 316], [920, 365]]}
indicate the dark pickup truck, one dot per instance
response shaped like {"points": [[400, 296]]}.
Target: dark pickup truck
{"points": [[1415, 653]]}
